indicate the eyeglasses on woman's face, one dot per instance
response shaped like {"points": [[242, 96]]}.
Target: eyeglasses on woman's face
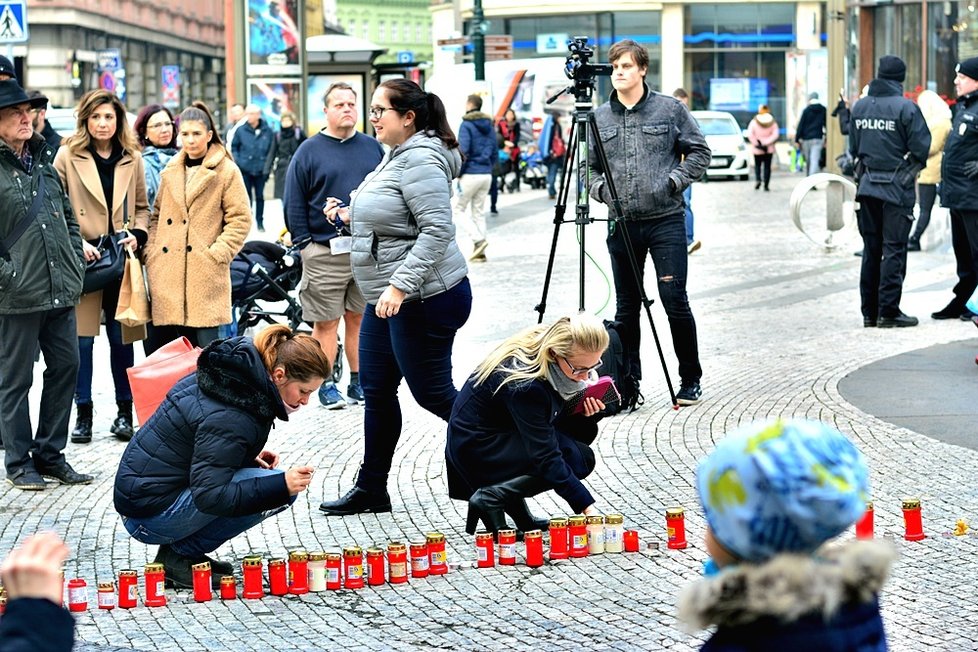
{"points": [[159, 125], [377, 112], [582, 370]]}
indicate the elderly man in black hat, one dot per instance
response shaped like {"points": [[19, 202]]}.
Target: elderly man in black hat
{"points": [[889, 139], [959, 188], [41, 273]]}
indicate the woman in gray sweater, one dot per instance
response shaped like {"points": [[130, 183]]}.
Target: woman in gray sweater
{"points": [[411, 273]]}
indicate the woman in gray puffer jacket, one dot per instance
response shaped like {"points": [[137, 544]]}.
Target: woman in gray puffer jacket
{"points": [[412, 274]]}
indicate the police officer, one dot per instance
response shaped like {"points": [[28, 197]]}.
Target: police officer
{"points": [[959, 188], [890, 140]]}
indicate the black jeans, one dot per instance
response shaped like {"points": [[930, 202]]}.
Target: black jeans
{"points": [[884, 228], [926, 194], [255, 185], [20, 336], [414, 345], [762, 168], [964, 241], [664, 239]]}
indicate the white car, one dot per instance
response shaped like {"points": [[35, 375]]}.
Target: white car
{"points": [[726, 140]]}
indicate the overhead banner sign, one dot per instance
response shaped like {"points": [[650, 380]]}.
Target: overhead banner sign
{"points": [[170, 86]]}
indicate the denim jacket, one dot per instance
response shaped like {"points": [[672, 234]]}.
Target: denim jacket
{"points": [[654, 149]]}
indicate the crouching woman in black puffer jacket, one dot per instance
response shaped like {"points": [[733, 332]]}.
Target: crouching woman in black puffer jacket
{"points": [[197, 473]]}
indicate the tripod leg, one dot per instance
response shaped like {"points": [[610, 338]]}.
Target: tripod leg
{"points": [[618, 219], [560, 209]]}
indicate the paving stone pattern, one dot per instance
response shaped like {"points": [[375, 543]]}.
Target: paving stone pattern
{"points": [[779, 326]]}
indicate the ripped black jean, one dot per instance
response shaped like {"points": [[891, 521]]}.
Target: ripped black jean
{"points": [[664, 239]]}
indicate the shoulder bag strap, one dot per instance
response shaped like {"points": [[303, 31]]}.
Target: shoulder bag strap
{"points": [[8, 243]]}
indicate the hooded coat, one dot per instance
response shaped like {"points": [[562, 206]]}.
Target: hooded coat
{"points": [[477, 142], [195, 232], [762, 137], [801, 603], [937, 115], [401, 215], [211, 424]]}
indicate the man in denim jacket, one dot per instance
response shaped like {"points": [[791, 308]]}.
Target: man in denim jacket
{"points": [[655, 150]]}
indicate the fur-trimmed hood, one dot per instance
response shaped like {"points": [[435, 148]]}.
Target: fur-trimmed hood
{"points": [[788, 587], [233, 372]]}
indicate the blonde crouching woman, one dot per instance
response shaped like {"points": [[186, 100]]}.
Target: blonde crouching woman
{"points": [[510, 437], [199, 223]]}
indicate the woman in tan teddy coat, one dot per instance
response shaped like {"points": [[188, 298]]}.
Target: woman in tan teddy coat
{"points": [[199, 223], [102, 172]]}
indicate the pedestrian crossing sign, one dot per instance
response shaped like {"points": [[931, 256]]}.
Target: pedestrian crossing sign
{"points": [[13, 21]]}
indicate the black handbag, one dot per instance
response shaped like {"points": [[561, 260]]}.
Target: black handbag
{"points": [[107, 269], [111, 264]]}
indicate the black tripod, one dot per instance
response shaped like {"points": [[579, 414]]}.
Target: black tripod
{"points": [[584, 132]]}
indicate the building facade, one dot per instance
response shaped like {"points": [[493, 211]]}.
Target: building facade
{"points": [[731, 56], [403, 27], [79, 45]]}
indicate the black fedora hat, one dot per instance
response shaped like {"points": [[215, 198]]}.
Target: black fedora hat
{"points": [[11, 94]]}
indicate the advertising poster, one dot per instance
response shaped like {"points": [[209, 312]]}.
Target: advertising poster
{"points": [[317, 87], [170, 86], [274, 97], [273, 37]]}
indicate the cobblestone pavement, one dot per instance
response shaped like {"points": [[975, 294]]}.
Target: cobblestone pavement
{"points": [[779, 327]]}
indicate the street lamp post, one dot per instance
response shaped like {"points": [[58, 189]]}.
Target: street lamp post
{"points": [[478, 35]]}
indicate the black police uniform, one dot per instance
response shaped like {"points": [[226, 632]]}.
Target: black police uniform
{"points": [[889, 138], [959, 192]]}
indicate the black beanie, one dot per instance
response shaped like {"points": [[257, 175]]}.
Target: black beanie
{"points": [[892, 68], [969, 68]]}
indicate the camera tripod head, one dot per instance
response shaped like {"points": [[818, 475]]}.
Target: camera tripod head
{"points": [[578, 67]]}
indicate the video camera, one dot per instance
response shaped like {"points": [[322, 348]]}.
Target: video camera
{"points": [[577, 65]]}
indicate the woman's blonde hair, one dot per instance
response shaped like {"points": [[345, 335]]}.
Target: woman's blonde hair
{"points": [[81, 139], [297, 353], [525, 356]]}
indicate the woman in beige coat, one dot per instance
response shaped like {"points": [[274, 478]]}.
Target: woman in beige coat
{"points": [[938, 116], [102, 172], [200, 221]]}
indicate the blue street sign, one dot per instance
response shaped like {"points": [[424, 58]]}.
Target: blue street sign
{"points": [[13, 21], [405, 57]]}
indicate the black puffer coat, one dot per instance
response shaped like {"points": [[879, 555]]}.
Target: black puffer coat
{"points": [[211, 424]]}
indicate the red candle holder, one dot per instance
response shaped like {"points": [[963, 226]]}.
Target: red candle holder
{"points": [[864, 526], [202, 581], [154, 578], [577, 535], [375, 567], [437, 557], [631, 540], [128, 589], [298, 572], [229, 588], [507, 546], [558, 538], [534, 548], [676, 528], [252, 569], [106, 595], [278, 577], [912, 520], [397, 565], [419, 559], [353, 567], [485, 549], [334, 571], [77, 595]]}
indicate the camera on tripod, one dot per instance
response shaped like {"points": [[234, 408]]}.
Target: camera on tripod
{"points": [[577, 65]]}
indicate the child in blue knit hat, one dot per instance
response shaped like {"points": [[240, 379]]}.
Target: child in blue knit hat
{"points": [[773, 494]]}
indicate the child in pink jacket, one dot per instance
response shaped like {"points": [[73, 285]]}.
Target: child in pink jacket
{"points": [[762, 133]]}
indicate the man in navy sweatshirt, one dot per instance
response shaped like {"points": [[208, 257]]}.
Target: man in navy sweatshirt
{"points": [[330, 164], [477, 142]]}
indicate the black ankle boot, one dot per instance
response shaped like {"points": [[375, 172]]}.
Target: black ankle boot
{"points": [[358, 501], [82, 434], [122, 426], [176, 568], [524, 520]]}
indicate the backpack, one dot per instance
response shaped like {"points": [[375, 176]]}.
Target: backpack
{"points": [[614, 363]]}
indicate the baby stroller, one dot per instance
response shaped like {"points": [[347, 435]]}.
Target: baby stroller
{"points": [[533, 168], [268, 273]]}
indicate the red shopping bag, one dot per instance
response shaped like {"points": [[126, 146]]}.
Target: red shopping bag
{"points": [[152, 378]]}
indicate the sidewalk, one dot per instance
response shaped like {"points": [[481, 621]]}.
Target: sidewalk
{"points": [[780, 335]]}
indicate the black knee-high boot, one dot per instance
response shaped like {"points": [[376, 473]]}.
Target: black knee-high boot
{"points": [[493, 502]]}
